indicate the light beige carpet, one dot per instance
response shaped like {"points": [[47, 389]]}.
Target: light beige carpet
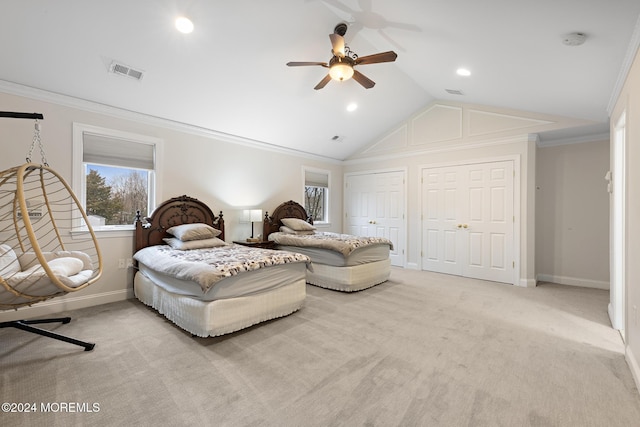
{"points": [[422, 349]]}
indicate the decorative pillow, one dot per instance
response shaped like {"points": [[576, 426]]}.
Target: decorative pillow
{"points": [[297, 224], [65, 266], [197, 231], [292, 231], [9, 264], [194, 244]]}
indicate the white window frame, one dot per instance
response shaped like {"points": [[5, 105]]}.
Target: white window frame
{"points": [[78, 181], [305, 169]]}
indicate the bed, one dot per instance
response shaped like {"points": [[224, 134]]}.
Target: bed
{"points": [[339, 261], [205, 285]]}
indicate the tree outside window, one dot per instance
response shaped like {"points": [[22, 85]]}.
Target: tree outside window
{"points": [[116, 199], [316, 194], [314, 202]]}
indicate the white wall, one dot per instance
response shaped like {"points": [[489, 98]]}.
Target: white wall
{"points": [[572, 214], [628, 102], [228, 175], [231, 175], [450, 133]]}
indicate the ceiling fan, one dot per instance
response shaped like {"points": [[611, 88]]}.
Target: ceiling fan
{"points": [[342, 63]]}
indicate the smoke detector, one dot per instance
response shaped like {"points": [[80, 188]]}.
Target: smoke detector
{"points": [[574, 39]]}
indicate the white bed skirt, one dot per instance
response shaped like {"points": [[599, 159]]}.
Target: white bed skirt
{"points": [[219, 317], [349, 279]]}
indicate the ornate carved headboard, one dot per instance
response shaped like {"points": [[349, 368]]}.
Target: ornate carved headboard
{"points": [[288, 209], [178, 210]]}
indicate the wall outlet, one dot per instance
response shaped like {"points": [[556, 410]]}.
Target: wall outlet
{"points": [[129, 262], [121, 263]]}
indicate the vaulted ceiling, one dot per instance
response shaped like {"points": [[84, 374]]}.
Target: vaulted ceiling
{"points": [[229, 74]]}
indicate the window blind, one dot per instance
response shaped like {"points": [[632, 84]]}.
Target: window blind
{"points": [[316, 179], [104, 150]]}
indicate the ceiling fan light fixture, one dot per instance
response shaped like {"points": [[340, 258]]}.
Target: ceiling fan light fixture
{"points": [[341, 71], [341, 65]]}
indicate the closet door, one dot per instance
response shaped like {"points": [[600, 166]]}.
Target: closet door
{"points": [[359, 202], [467, 220], [441, 220], [375, 207]]}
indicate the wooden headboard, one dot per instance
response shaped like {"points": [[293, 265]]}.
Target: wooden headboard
{"points": [[288, 209], [179, 210]]}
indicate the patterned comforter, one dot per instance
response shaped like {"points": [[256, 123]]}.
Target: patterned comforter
{"points": [[208, 266], [343, 243]]}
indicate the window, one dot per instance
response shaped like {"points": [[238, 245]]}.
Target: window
{"points": [[115, 175], [316, 194]]}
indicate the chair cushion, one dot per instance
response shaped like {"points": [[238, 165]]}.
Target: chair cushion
{"points": [[9, 264]]}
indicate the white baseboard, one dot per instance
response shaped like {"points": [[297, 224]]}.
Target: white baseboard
{"points": [[573, 281], [633, 365], [59, 305], [526, 283]]}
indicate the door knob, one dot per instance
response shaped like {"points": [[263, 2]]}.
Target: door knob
{"points": [[465, 226], [459, 225]]}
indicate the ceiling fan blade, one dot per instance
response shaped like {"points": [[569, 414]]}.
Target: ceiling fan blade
{"points": [[323, 82], [363, 80], [300, 64], [337, 44], [389, 56]]}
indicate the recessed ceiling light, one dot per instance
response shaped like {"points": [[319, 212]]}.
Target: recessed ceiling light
{"points": [[184, 25], [463, 72], [352, 107]]}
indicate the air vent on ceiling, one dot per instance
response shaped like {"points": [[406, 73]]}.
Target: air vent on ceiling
{"points": [[125, 70], [454, 91]]}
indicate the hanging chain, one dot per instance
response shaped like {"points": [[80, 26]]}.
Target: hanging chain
{"points": [[36, 138]]}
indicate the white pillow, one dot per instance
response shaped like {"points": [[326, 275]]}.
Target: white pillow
{"points": [[194, 244], [288, 230], [65, 266], [196, 231], [9, 264], [297, 224]]}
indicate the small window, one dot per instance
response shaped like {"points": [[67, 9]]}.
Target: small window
{"points": [[116, 176], [316, 195]]}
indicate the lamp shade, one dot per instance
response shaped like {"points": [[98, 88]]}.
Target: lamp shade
{"points": [[255, 215]]}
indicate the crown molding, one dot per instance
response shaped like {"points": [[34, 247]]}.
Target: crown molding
{"points": [[107, 110], [452, 148], [632, 49], [573, 140]]}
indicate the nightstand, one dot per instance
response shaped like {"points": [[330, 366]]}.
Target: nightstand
{"points": [[266, 244]]}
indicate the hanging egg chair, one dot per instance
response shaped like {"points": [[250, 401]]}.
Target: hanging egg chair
{"points": [[47, 245]]}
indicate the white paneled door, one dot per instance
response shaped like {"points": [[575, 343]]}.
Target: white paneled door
{"points": [[468, 220], [375, 207]]}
